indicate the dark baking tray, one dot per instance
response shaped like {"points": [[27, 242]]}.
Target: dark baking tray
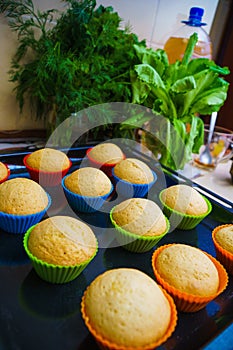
{"points": [[38, 315]]}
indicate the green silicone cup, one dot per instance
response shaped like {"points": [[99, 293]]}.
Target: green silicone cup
{"points": [[133, 242], [184, 221], [54, 273]]}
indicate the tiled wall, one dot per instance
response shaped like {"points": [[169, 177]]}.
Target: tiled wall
{"points": [[149, 19]]}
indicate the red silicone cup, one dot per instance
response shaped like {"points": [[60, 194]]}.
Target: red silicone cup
{"points": [[46, 178], [105, 167], [7, 175]]}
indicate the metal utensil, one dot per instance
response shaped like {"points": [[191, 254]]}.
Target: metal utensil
{"points": [[206, 157]]}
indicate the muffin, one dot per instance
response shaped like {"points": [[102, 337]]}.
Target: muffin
{"points": [[87, 189], [4, 172], [133, 178], [140, 224], [223, 241], [191, 276], [105, 156], [47, 166], [184, 206], [23, 203], [124, 308], [60, 247]]}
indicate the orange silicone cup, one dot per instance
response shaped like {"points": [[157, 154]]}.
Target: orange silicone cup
{"points": [[225, 257], [46, 178], [107, 345], [105, 167], [189, 302]]}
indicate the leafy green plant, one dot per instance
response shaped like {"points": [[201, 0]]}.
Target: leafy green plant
{"points": [[68, 61], [179, 92]]}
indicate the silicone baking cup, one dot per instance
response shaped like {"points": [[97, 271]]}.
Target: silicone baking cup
{"points": [[105, 167], [54, 273], [13, 223], [225, 257], [133, 242], [188, 302], [107, 345], [85, 204], [46, 178], [129, 190], [181, 220], [7, 175]]}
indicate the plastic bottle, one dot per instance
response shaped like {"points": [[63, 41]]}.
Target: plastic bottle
{"points": [[175, 46]]}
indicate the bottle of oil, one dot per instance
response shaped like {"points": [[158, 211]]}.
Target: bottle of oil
{"points": [[175, 46]]}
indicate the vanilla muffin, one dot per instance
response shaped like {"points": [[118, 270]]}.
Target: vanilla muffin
{"points": [[134, 171], [60, 248], [184, 206], [48, 160], [139, 224], [106, 153], [188, 269], [62, 240], [184, 199], [22, 196], [125, 308], [191, 276], [140, 216], [3, 171], [222, 236], [88, 181]]}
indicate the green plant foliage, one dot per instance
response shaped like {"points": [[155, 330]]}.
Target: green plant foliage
{"points": [[68, 61]]}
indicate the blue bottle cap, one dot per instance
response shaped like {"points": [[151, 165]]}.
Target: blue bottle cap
{"points": [[195, 17]]}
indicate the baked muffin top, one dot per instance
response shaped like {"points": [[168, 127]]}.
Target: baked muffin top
{"points": [[224, 237], [3, 171], [48, 159], [22, 196], [88, 181], [133, 170], [188, 269], [106, 153], [127, 307], [184, 199], [62, 240], [140, 216]]}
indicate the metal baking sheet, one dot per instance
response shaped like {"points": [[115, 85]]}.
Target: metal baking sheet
{"points": [[38, 315]]}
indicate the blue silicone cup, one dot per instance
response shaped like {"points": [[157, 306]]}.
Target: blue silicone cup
{"points": [[130, 190], [85, 204], [12, 223], [55, 273]]}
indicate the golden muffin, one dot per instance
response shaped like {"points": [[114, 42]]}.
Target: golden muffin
{"points": [[106, 153], [222, 236], [48, 160], [88, 181], [127, 309], [134, 171], [62, 240], [191, 276], [188, 269], [22, 196], [184, 199], [140, 216]]}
